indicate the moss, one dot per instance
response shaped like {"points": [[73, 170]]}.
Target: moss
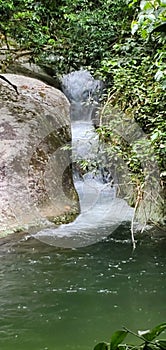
{"points": [[65, 218]]}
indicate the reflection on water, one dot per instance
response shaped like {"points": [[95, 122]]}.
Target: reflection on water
{"points": [[69, 299]]}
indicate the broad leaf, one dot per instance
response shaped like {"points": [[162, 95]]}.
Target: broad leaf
{"points": [[101, 346], [117, 338], [153, 333]]}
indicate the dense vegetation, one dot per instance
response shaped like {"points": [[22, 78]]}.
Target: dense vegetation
{"points": [[123, 42], [76, 33]]}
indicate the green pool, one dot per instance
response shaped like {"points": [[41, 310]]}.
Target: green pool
{"points": [[62, 299]]}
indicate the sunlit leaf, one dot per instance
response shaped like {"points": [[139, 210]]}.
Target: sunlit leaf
{"points": [[132, 3], [141, 333], [153, 333], [146, 5], [134, 27]]}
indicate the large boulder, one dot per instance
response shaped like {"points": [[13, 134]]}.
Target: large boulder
{"points": [[35, 168]]}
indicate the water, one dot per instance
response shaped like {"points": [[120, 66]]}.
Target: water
{"points": [[60, 299], [99, 206]]}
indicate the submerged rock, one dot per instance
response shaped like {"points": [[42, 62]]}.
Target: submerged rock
{"points": [[35, 172]]}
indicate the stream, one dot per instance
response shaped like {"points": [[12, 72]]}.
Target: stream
{"points": [[99, 206], [68, 288]]}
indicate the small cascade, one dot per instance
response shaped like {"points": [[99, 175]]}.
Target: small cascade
{"points": [[84, 92], [101, 212]]}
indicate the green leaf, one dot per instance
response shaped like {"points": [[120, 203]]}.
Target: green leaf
{"points": [[146, 5], [101, 346], [149, 335], [117, 338], [154, 137], [134, 27], [132, 3]]}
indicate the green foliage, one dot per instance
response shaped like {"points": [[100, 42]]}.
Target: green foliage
{"points": [[151, 24], [152, 334], [123, 42], [78, 33], [136, 69], [28, 22], [91, 30], [147, 338], [152, 14], [140, 97]]}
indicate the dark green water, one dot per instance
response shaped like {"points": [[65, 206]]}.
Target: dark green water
{"points": [[59, 299]]}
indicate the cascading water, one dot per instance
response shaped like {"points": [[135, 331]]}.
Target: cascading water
{"points": [[101, 211]]}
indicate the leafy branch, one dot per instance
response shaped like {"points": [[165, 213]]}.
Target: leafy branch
{"points": [[148, 337]]}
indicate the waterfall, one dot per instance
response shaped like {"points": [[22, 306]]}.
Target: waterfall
{"points": [[101, 211]]}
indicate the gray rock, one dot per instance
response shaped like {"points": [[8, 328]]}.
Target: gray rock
{"points": [[35, 171], [32, 70]]}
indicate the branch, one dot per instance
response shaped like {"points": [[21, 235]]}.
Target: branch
{"points": [[7, 81], [21, 54], [141, 337], [139, 198], [133, 333]]}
